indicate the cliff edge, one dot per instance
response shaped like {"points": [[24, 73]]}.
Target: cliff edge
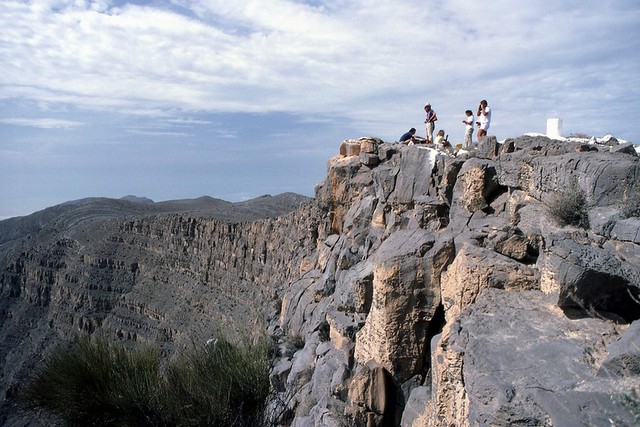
{"points": [[442, 292]]}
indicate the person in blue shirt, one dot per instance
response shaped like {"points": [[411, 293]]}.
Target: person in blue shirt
{"points": [[408, 136]]}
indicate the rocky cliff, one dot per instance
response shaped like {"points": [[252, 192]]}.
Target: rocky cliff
{"points": [[443, 293], [417, 289]]}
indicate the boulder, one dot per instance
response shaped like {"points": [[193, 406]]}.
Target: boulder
{"points": [[369, 145], [349, 148], [474, 187], [592, 280], [369, 159], [475, 268], [626, 148], [488, 147], [505, 349]]}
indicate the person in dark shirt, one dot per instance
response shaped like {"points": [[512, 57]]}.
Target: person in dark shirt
{"points": [[409, 136]]}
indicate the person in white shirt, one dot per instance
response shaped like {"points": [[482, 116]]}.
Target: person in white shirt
{"points": [[468, 132], [484, 118]]}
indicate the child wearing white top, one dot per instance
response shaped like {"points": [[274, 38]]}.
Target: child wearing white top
{"points": [[468, 132]]}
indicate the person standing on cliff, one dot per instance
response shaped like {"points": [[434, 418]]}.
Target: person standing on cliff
{"points": [[468, 132], [484, 118], [430, 122]]}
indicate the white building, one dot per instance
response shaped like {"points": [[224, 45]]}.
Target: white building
{"points": [[554, 128]]}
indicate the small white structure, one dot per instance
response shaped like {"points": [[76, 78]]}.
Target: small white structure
{"points": [[554, 128]]}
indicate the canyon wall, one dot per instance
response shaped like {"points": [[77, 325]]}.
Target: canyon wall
{"points": [[174, 280]]}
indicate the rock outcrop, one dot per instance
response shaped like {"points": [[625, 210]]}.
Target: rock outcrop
{"points": [[447, 279], [418, 289]]}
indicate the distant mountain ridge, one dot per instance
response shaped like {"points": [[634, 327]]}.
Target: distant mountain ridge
{"points": [[74, 211]]}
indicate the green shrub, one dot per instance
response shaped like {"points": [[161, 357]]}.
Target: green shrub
{"points": [[93, 382], [222, 385], [570, 207]]}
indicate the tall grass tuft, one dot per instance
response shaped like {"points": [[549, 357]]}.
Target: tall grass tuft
{"points": [[93, 382], [96, 383], [570, 206], [222, 384]]}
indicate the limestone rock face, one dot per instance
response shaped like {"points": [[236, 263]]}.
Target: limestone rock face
{"points": [[406, 294], [376, 398], [417, 289], [515, 358]]}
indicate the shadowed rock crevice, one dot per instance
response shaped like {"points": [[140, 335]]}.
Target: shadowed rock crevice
{"points": [[435, 328], [598, 294]]}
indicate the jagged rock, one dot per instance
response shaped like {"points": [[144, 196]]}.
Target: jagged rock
{"points": [[475, 268], [376, 398], [410, 266], [406, 294], [626, 148], [369, 145], [415, 406], [582, 148], [369, 159], [514, 244], [505, 350], [475, 186], [349, 148], [623, 355], [627, 230], [542, 167], [593, 281], [411, 180], [488, 147]]}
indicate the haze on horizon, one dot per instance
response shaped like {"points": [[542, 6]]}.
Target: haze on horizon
{"points": [[172, 99]]}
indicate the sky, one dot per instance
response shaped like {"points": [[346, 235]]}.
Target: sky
{"points": [[234, 99]]}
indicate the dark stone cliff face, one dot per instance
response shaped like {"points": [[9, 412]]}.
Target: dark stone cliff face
{"points": [[444, 293], [422, 289]]}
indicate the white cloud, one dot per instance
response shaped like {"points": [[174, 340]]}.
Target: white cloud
{"points": [[166, 134], [41, 123], [374, 63]]}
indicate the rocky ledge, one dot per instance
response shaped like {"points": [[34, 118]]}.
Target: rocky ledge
{"points": [[442, 292]]}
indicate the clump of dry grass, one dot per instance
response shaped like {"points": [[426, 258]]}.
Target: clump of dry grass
{"points": [[570, 206]]}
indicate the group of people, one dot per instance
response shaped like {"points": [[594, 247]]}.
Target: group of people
{"points": [[484, 121]]}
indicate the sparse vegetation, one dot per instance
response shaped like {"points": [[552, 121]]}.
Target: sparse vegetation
{"points": [[631, 401], [580, 135], [93, 382], [570, 207], [292, 343], [631, 206]]}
